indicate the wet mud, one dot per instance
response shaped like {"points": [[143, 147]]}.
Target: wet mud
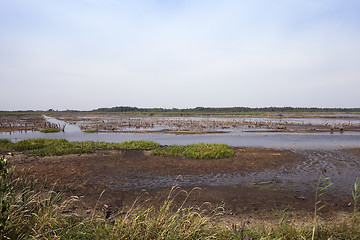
{"points": [[254, 182]]}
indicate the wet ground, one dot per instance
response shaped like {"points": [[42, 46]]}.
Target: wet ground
{"points": [[254, 183]]}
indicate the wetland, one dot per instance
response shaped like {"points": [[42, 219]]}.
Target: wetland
{"points": [[275, 165], [308, 131]]}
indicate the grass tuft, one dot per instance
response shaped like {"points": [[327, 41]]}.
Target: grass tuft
{"points": [[197, 151], [139, 144], [90, 131], [57, 147], [49, 130], [5, 145]]}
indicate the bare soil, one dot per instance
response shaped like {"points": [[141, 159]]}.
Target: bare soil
{"points": [[92, 176]]}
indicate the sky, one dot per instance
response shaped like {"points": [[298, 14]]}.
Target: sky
{"points": [[87, 54]]}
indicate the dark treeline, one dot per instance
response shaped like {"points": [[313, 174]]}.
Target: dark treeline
{"points": [[227, 109], [128, 109]]}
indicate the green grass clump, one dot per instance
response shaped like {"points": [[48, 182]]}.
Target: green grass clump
{"points": [[49, 130], [173, 150], [139, 144], [39, 143], [5, 145], [57, 147], [210, 150], [26, 211], [51, 147], [197, 151], [90, 131]]}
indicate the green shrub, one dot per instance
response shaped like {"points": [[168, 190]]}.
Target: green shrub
{"points": [[206, 151]]}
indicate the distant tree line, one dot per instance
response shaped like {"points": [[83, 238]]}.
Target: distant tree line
{"points": [[127, 109], [227, 109]]}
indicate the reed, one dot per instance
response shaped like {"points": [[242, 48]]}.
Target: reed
{"points": [[139, 144], [324, 183], [355, 192], [29, 212], [26, 211]]}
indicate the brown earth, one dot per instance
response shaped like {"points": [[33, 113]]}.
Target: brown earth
{"points": [[91, 177]]}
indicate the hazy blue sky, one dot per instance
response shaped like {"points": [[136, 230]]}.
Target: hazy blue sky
{"points": [[85, 54]]}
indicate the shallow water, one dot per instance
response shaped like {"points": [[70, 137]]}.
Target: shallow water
{"points": [[237, 138], [321, 153]]}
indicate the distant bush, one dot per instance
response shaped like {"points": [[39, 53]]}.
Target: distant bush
{"points": [[197, 151]]}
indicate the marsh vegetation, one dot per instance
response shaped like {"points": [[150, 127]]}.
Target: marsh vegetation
{"points": [[57, 147], [124, 123], [121, 168], [31, 210], [197, 151], [27, 122]]}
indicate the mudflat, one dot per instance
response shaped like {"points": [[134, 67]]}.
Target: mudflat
{"points": [[254, 184]]}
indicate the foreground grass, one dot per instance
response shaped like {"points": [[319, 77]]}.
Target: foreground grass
{"points": [[30, 212], [197, 151]]}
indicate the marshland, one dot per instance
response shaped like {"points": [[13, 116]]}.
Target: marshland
{"points": [[219, 174], [237, 119]]}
